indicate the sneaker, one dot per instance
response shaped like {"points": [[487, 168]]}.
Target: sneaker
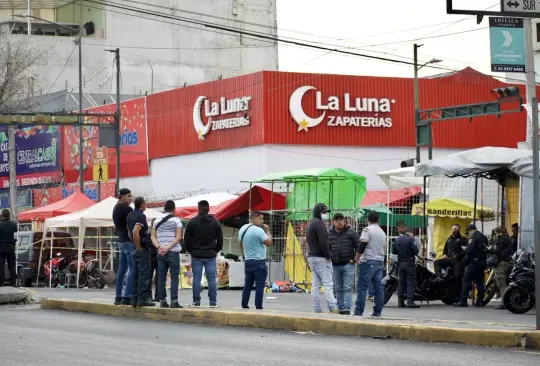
{"points": [[155, 299], [345, 312], [118, 301], [375, 315], [216, 305], [318, 311], [195, 305], [163, 304], [176, 305], [245, 307], [334, 311], [126, 301]]}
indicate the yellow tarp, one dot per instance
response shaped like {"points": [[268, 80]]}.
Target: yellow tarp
{"points": [[442, 229], [447, 207], [512, 203], [296, 267]]}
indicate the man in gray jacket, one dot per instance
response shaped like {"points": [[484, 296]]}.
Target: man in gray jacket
{"points": [[319, 259]]}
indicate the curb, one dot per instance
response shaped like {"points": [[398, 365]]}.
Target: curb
{"points": [[341, 327]]}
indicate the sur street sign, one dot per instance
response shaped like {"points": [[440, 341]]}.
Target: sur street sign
{"points": [[507, 44], [531, 7], [100, 162]]}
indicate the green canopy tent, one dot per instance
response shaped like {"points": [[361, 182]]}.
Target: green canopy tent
{"points": [[339, 189]]}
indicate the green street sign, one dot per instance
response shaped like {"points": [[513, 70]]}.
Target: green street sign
{"points": [[507, 44]]}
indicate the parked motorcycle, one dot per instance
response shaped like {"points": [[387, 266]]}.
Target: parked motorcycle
{"points": [[54, 270], [447, 291], [89, 273], [519, 297]]}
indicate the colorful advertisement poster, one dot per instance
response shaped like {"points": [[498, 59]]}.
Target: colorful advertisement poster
{"points": [[24, 200], [133, 143], [46, 196], [37, 152]]}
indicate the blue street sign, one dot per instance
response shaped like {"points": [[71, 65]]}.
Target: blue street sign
{"points": [[507, 44]]}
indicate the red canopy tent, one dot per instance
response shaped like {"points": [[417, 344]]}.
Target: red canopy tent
{"points": [[75, 202], [396, 197], [260, 201]]}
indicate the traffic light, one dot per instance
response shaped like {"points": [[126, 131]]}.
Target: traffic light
{"points": [[502, 93], [407, 163]]}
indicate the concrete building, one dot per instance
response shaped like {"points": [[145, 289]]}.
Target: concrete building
{"points": [[157, 53]]}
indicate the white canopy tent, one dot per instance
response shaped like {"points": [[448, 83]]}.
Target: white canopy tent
{"points": [[96, 216], [401, 178], [214, 199]]}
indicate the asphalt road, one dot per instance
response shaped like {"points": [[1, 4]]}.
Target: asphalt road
{"points": [[288, 302], [31, 336]]}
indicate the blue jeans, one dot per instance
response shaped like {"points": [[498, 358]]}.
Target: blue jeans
{"points": [[343, 281], [370, 289], [321, 273], [369, 272], [140, 275], [125, 250], [255, 272], [171, 261], [209, 265]]}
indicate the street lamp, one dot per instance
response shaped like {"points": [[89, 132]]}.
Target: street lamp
{"points": [[416, 98], [78, 41]]}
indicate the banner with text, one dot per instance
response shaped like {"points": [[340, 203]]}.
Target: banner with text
{"points": [[24, 200], [46, 196], [133, 143]]}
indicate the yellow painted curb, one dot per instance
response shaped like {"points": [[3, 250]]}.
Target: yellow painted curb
{"points": [[476, 337]]}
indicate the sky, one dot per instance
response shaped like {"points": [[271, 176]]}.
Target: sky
{"points": [[384, 28]]}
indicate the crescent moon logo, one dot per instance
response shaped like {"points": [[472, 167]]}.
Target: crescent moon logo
{"points": [[198, 124], [297, 112]]}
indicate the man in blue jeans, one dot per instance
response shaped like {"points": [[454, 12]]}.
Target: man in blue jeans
{"points": [[204, 240], [254, 238], [166, 237], [125, 247], [344, 243], [370, 259]]}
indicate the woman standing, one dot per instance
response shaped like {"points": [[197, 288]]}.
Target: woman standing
{"points": [[503, 250]]}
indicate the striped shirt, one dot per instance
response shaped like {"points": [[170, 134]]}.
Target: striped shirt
{"points": [[166, 233]]}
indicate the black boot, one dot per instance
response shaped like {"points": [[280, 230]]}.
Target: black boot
{"points": [[163, 304], [117, 301], [176, 305], [401, 303], [147, 303], [126, 300]]}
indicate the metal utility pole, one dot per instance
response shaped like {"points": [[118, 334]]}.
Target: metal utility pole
{"points": [[152, 78], [117, 117], [81, 139], [12, 157]]}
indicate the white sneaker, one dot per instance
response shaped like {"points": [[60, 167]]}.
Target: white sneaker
{"points": [[216, 305]]}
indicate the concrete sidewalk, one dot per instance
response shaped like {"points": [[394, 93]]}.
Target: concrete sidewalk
{"points": [[12, 295], [428, 330]]}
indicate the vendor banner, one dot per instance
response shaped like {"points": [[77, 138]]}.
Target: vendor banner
{"points": [[24, 200], [186, 276], [133, 142]]}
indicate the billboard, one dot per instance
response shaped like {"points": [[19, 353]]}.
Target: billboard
{"points": [[133, 143], [46, 196], [24, 200], [37, 152]]}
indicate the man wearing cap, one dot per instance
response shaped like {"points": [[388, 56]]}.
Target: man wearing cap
{"points": [[475, 262], [319, 259], [125, 247]]}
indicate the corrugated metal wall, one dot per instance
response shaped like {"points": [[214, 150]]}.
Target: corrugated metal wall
{"points": [[170, 118]]}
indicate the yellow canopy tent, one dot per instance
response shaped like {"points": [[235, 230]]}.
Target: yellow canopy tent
{"points": [[447, 212]]}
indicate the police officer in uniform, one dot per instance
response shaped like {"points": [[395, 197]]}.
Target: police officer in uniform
{"points": [[475, 262], [406, 250]]}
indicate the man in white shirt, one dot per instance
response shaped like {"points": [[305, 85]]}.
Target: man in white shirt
{"points": [[166, 237]]}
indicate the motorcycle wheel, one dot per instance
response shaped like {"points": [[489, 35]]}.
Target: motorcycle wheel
{"points": [[98, 282], [517, 301], [389, 290], [83, 280], [491, 289]]}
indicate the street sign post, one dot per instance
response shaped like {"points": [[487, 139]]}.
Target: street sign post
{"points": [[100, 165], [529, 7], [507, 44]]}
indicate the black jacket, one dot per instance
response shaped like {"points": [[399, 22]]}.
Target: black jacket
{"points": [[405, 248], [475, 253], [503, 248], [343, 245], [454, 247], [8, 228], [203, 237], [316, 235]]}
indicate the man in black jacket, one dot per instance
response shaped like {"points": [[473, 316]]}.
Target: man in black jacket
{"points": [[8, 228], [406, 250], [452, 254], [503, 250], [319, 260], [344, 243], [204, 240], [475, 262]]}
